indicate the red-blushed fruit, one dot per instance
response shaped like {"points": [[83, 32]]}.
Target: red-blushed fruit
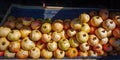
{"points": [[101, 33], [14, 46], [25, 31], [10, 24], [57, 26], [1, 53], [104, 13], [115, 42], [117, 20], [72, 53], [66, 24], [83, 53], [92, 30], [109, 24], [35, 24], [4, 31], [93, 13], [40, 44], [22, 54], [107, 48], [26, 21], [59, 54], [84, 17], [116, 32], [97, 48], [93, 40], [101, 53], [19, 25], [109, 33]]}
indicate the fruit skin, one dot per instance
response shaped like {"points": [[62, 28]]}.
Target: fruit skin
{"points": [[57, 26], [34, 53], [71, 32], [52, 46], [40, 44], [93, 13], [10, 24], [107, 47], [59, 53], [46, 37], [92, 53], [9, 54], [84, 17], [35, 35], [27, 44], [46, 54], [4, 43], [22, 54], [96, 21], [56, 36], [14, 46], [109, 24], [75, 24], [14, 35], [104, 13], [26, 21], [117, 20], [97, 48], [46, 28], [93, 40], [116, 32], [18, 25], [1, 53], [72, 53], [83, 53], [84, 46], [85, 27], [63, 44], [82, 37], [35, 24], [101, 33], [104, 41], [92, 30], [25, 31], [4, 31], [66, 24], [115, 42], [73, 42]]}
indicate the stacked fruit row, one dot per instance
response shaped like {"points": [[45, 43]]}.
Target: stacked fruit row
{"points": [[94, 34]]}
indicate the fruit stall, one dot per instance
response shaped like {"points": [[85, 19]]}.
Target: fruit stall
{"points": [[37, 32]]}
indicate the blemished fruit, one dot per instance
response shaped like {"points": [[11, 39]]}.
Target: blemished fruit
{"points": [[46, 37], [25, 31], [26, 21], [71, 32]]}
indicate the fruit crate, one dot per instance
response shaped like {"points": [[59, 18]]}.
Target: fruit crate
{"points": [[53, 13]]}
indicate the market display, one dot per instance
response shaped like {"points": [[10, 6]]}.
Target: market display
{"points": [[91, 34]]}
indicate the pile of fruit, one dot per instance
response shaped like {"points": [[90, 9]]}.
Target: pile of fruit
{"points": [[93, 34]]}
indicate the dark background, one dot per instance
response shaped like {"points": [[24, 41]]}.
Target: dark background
{"points": [[110, 4]]}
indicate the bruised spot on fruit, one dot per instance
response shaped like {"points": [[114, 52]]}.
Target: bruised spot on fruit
{"points": [[84, 35], [61, 52], [74, 51], [94, 38], [103, 31], [97, 17], [3, 43]]}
